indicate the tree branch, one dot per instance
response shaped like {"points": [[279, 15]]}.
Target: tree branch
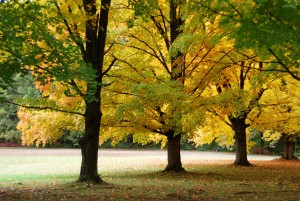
{"points": [[110, 66], [161, 31], [253, 102], [109, 48], [154, 54], [219, 116], [283, 65], [73, 83], [80, 45], [44, 108]]}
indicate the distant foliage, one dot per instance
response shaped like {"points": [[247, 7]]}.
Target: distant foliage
{"points": [[8, 123], [20, 88]]}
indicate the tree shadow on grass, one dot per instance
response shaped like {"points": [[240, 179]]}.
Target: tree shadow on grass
{"points": [[258, 172]]}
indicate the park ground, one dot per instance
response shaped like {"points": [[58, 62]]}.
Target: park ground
{"points": [[50, 174]]}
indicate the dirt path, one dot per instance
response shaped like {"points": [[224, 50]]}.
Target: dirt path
{"points": [[32, 161], [199, 155]]}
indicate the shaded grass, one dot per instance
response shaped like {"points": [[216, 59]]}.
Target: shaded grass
{"points": [[139, 178]]}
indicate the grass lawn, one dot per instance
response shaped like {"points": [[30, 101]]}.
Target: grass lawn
{"points": [[138, 177]]}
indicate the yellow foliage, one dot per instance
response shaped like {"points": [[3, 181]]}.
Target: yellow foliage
{"points": [[45, 127], [142, 99], [280, 110], [271, 135], [214, 129]]}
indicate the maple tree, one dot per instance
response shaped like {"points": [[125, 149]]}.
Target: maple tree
{"points": [[263, 27], [47, 38], [160, 95], [166, 26], [235, 96], [279, 115], [247, 97]]}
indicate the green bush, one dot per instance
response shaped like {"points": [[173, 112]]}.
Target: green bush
{"points": [[8, 123]]}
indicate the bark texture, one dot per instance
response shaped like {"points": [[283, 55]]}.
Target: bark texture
{"points": [[93, 54], [89, 144], [239, 126], [174, 158], [288, 148]]}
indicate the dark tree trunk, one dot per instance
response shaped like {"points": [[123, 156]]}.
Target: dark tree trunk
{"points": [[288, 148], [176, 73], [241, 148], [174, 158], [239, 127], [89, 144], [93, 54]]}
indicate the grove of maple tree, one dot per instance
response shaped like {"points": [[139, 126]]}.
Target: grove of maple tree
{"points": [[160, 70]]}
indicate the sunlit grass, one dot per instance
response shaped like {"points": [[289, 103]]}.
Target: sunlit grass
{"points": [[139, 177]]}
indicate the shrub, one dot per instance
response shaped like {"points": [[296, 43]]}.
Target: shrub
{"points": [[261, 150]]}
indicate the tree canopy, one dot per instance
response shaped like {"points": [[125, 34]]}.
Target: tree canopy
{"points": [[158, 70], [270, 28]]}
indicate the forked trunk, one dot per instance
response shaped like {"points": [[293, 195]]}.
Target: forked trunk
{"points": [[174, 158], [89, 144], [288, 148], [93, 54], [240, 137]]}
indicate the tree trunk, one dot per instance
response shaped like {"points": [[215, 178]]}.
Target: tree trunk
{"points": [[239, 127], [174, 158], [288, 148], [174, 136], [89, 144], [96, 30]]}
